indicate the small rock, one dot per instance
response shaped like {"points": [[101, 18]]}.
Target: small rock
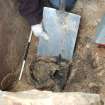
{"points": [[94, 88]]}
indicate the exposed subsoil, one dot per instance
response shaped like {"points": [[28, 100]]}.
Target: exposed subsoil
{"points": [[87, 70]]}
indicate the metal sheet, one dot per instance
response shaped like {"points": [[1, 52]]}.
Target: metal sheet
{"points": [[100, 33], [62, 29]]}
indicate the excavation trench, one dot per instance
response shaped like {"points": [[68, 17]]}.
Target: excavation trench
{"points": [[86, 73]]}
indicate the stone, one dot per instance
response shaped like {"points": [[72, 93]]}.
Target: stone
{"points": [[35, 97]]}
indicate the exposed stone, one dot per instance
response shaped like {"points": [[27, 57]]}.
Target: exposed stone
{"points": [[35, 97]]}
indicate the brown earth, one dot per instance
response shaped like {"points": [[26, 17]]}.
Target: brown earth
{"points": [[88, 65], [13, 37]]}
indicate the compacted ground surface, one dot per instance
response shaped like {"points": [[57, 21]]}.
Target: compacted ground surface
{"points": [[87, 70]]}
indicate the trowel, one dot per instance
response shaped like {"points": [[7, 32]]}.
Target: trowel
{"points": [[62, 29]]}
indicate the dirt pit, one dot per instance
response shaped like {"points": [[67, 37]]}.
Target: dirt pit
{"points": [[86, 71]]}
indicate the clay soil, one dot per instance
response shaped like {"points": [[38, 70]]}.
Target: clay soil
{"points": [[88, 65]]}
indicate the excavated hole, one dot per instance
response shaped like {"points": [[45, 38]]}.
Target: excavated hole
{"points": [[49, 73]]}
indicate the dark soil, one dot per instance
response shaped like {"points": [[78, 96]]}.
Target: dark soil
{"points": [[13, 37]]}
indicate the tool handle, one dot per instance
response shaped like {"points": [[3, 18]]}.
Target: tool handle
{"points": [[25, 56], [26, 52], [28, 45], [62, 5]]}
